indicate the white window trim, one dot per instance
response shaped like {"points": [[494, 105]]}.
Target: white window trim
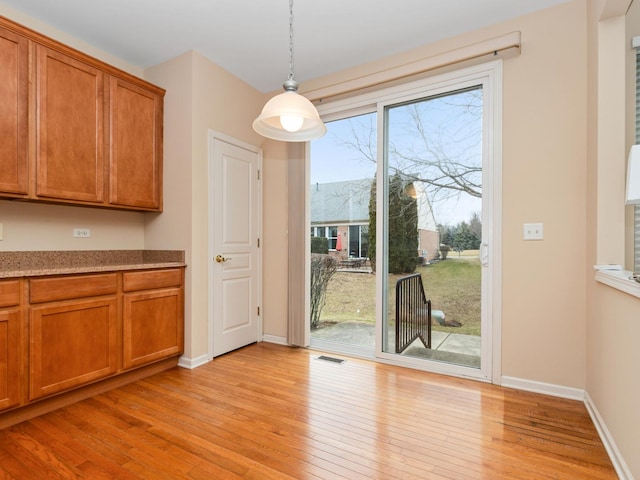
{"points": [[619, 279]]}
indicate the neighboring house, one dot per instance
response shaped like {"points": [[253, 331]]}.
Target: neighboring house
{"points": [[340, 212]]}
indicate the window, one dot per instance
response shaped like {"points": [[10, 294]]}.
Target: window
{"points": [[358, 241], [318, 232], [332, 236], [330, 233]]}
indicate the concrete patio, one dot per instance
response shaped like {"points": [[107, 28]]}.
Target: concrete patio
{"points": [[449, 347]]}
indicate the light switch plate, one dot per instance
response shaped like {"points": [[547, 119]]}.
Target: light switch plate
{"points": [[533, 231]]}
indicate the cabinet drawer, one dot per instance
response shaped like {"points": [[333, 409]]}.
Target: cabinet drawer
{"points": [[150, 279], [68, 287], [9, 293]]}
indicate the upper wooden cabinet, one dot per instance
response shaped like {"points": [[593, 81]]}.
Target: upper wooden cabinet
{"points": [[135, 164], [78, 130], [14, 70], [70, 128]]}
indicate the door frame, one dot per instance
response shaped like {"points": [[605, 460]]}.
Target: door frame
{"points": [[491, 371], [213, 135]]}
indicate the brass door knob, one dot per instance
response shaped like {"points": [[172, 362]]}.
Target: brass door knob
{"points": [[221, 259]]}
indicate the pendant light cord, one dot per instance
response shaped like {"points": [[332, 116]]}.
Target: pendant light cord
{"points": [[291, 40]]}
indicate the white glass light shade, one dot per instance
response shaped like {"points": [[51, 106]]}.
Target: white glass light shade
{"points": [[633, 176], [289, 104]]}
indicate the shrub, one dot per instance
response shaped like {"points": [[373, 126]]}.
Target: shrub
{"points": [[319, 245], [322, 269]]}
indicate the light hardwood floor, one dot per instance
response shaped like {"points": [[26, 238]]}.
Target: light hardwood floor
{"points": [[273, 412]]}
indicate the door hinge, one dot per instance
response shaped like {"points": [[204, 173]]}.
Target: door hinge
{"points": [[258, 311], [258, 243], [258, 174]]}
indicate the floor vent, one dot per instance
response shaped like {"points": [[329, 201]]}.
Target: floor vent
{"points": [[331, 359]]}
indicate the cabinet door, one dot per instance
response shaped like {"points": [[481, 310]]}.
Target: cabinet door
{"points": [[153, 324], [9, 358], [10, 343], [135, 173], [14, 70], [71, 343], [70, 128]]}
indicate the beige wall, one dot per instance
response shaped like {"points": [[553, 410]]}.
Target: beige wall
{"points": [[544, 180], [200, 97], [31, 226], [61, 36], [275, 235], [558, 325], [613, 329]]}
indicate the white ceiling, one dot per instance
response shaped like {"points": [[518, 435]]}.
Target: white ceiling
{"points": [[250, 38]]}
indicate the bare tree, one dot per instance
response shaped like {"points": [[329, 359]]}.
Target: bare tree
{"points": [[436, 141], [323, 267]]}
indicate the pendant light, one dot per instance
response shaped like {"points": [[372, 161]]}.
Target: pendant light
{"points": [[290, 117]]}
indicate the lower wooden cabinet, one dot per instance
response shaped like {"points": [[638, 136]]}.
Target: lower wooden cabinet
{"points": [[153, 319], [59, 333], [10, 345], [71, 344], [153, 326]]}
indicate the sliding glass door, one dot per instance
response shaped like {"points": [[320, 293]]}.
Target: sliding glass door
{"points": [[432, 227], [425, 231], [343, 295]]}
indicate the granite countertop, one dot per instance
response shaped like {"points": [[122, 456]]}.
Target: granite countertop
{"points": [[37, 263]]}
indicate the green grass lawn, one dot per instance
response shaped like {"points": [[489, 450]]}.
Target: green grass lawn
{"points": [[453, 285]]}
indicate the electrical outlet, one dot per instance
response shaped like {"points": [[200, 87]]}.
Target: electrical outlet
{"points": [[81, 232], [533, 231]]}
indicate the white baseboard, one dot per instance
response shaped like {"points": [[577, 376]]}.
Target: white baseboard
{"points": [[191, 363], [622, 470], [609, 443], [275, 339], [544, 388]]}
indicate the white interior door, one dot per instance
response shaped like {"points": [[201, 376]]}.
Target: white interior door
{"points": [[235, 244]]}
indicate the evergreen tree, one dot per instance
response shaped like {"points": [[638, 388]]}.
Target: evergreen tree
{"points": [[372, 226], [463, 238], [403, 227]]}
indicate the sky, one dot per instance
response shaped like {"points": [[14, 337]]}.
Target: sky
{"points": [[332, 160]]}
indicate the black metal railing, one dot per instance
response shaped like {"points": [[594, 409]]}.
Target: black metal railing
{"points": [[413, 313]]}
